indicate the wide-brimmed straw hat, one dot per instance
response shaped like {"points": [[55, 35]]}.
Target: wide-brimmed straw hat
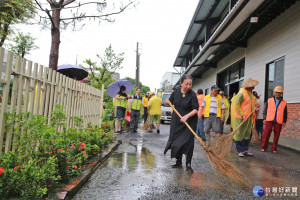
{"points": [[250, 83]]}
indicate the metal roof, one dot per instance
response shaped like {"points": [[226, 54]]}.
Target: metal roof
{"points": [[196, 31], [229, 22]]}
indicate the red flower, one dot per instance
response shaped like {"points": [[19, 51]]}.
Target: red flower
{"points": [[73, 146], [106, 135], [74, 143], [106, 126], [60, 150], [84, 153], [16, 168], [68, 149], [68, 168], [1, 170], [102, 130], [75, 167], [82, 168], [80, 143], [58, 176]]}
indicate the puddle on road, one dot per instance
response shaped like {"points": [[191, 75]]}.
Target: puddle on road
{"points": [[264, 174], [140, 161], [132, 158], [257, 171]]}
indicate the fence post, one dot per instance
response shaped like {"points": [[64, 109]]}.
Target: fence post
{"points": [[68, 100], [19, 90], [5, 99], [48, 90], [43, 90], [52, 95], [33, 88], [101, 104], [27, 87]]}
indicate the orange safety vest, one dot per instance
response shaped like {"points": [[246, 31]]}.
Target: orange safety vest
{"points": [[247, 106], [200, 98], [273, 111]]}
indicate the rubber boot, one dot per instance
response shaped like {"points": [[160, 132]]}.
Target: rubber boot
{"points": [[178, 162], [189, 163], [207, 138]]}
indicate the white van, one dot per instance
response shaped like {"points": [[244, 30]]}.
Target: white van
{"points": [[165, 109]]}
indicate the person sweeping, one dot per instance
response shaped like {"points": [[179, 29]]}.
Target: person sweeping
{"points": [[181, 141], [182, 133], [242, 107]]}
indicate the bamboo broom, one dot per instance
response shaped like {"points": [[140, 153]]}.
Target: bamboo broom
{"points": [[146, 124], [223, 144], [255, 137], [223, 167]]}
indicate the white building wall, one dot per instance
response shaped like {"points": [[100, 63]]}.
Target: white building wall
{"points": [[279, 38], [209, 78], [175, 78]]}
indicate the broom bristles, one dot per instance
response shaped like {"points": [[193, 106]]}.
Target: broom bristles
{"points": [[223, 167], [222, 145], [145, 127], [255, 137]]}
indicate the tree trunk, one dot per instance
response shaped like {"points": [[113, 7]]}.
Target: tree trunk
{"points": [[5, 33], [55, 38]]}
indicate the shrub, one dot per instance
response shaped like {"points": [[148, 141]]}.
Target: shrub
{"points": [[47, 153]]}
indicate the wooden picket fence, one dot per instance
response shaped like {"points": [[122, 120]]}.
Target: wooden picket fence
{"points": [[37, 89]]}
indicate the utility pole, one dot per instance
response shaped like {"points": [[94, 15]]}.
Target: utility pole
{"points": [[137, 73]]}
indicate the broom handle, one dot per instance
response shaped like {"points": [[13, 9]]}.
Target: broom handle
{"points": [[196, 136], [235, 130]]}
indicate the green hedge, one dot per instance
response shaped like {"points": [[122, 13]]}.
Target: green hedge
{"points": [[47, 154]]}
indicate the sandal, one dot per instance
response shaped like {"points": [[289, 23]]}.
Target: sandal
{"points": [[241, 155], [274, 152], [263, 150], [246, 153]]}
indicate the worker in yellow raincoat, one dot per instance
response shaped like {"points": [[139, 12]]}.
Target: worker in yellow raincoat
{"points": [[226, 110], [242, 105]]}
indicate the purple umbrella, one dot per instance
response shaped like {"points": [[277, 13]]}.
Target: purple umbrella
{"points": [[72, 71], [114, 88]]}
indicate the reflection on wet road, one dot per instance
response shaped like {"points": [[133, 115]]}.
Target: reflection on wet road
{"points": [[132, 158], [138, 169]]}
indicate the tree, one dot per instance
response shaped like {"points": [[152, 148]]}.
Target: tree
{"points": [[23, 44], [144, 88], [13, 12], [101, 73], [75, 19]]}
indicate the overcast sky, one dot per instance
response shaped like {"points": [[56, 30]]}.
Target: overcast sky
{"points": [[158, 25]]}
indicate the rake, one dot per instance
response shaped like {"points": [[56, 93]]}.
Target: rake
{"points": [[222, 166]]}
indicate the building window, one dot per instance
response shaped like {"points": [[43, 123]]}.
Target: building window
{"points": [[206, 91], [230, 79], [274, 76]]}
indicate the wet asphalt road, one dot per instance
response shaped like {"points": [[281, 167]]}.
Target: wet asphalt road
{"points": [[139, 170]]}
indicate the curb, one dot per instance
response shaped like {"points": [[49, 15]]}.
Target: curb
{"points": [[71, 189]]}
